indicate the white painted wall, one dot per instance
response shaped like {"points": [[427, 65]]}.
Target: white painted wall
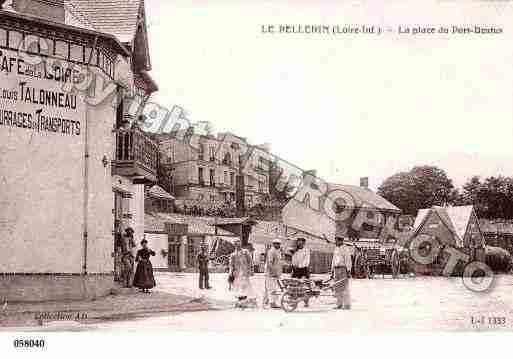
{"points": [[101, 200], [41, 187], [158, 242]]}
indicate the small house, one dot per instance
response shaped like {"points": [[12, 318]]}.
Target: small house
{"points": [[456, 227]]}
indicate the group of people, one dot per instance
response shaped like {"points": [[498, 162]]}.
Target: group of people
{"points": [[241, 271], [143, 277]]}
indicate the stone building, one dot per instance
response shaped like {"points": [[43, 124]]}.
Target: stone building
{"points": [[202, 170], [74, 79]]}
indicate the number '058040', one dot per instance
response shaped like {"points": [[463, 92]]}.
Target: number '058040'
{"points": [[29, 343]]}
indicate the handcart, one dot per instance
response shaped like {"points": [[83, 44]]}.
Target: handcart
{"points": [[298, 290]]}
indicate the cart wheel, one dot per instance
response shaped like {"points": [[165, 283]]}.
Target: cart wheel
{"points": [[288, 303], [396, 264]]}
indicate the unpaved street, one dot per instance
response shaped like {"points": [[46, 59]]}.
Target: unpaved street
{"points": [[422, 303]]}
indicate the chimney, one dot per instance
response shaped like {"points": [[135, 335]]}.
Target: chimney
{"points": [[364, 182], [52, 10]]}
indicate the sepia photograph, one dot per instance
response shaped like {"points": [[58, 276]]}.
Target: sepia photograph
{"points": [[172, 166]]}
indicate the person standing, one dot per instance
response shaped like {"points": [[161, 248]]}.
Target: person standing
{"points": [[273, 270], [127, 257], [118, 257], [241, 270], [341, 271], [203, 268], [143, 278], [301, 262]]}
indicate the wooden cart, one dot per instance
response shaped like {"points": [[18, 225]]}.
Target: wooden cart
{"points": [[371, 258]]}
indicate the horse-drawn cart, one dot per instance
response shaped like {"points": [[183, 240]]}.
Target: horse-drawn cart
{"points": [[373, 257]]}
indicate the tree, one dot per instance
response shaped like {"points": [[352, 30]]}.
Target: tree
{"points": [[421, 187], [279, 189], [492, 198]]}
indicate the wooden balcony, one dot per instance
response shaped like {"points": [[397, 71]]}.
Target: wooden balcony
{"points": [[136, 155]]}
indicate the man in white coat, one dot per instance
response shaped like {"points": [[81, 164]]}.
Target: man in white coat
{"points": [[341, 268], [301, 262], [273, 270], [241, 270]]}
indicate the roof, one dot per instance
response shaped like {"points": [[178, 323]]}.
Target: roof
{"points": [[158, 192], [197, 225], [421, 216], [364, 197], [228, 221], [115, 17], [72, 28], [459, 217]]}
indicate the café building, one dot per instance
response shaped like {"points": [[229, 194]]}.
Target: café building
{"points": [[74, 164]]}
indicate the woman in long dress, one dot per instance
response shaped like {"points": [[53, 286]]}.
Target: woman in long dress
{"points": [[143, 278], [241, 269]]}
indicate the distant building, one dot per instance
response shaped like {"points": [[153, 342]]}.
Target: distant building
{"points": [[498, 233], [369, 213], [203, 169], [158, 200]]}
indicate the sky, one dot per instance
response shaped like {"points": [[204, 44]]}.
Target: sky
{"points": [[348, 105]]}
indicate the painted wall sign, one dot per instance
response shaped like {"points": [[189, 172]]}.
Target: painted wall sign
{"points": [[42, 151], [32, 102]]}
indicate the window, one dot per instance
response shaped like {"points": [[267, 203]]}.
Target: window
{"points": [[212, 153], [227, 160], [171, 156], [225, 177], [3, 37], [201, 151], [200, 176], [212, 178], [119, 110], [212, 198], [231, 178]]}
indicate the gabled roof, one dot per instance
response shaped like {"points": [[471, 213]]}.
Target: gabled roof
{"points": [[116, 17], [456, 219], [365, 198]]}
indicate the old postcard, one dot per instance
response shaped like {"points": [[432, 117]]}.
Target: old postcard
{"points": [[308, 166]]}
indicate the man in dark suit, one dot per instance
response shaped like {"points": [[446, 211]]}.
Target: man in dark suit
{"points": [[203, 259]]}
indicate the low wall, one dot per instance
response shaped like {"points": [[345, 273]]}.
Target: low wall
{"points": [[45, 287]]}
